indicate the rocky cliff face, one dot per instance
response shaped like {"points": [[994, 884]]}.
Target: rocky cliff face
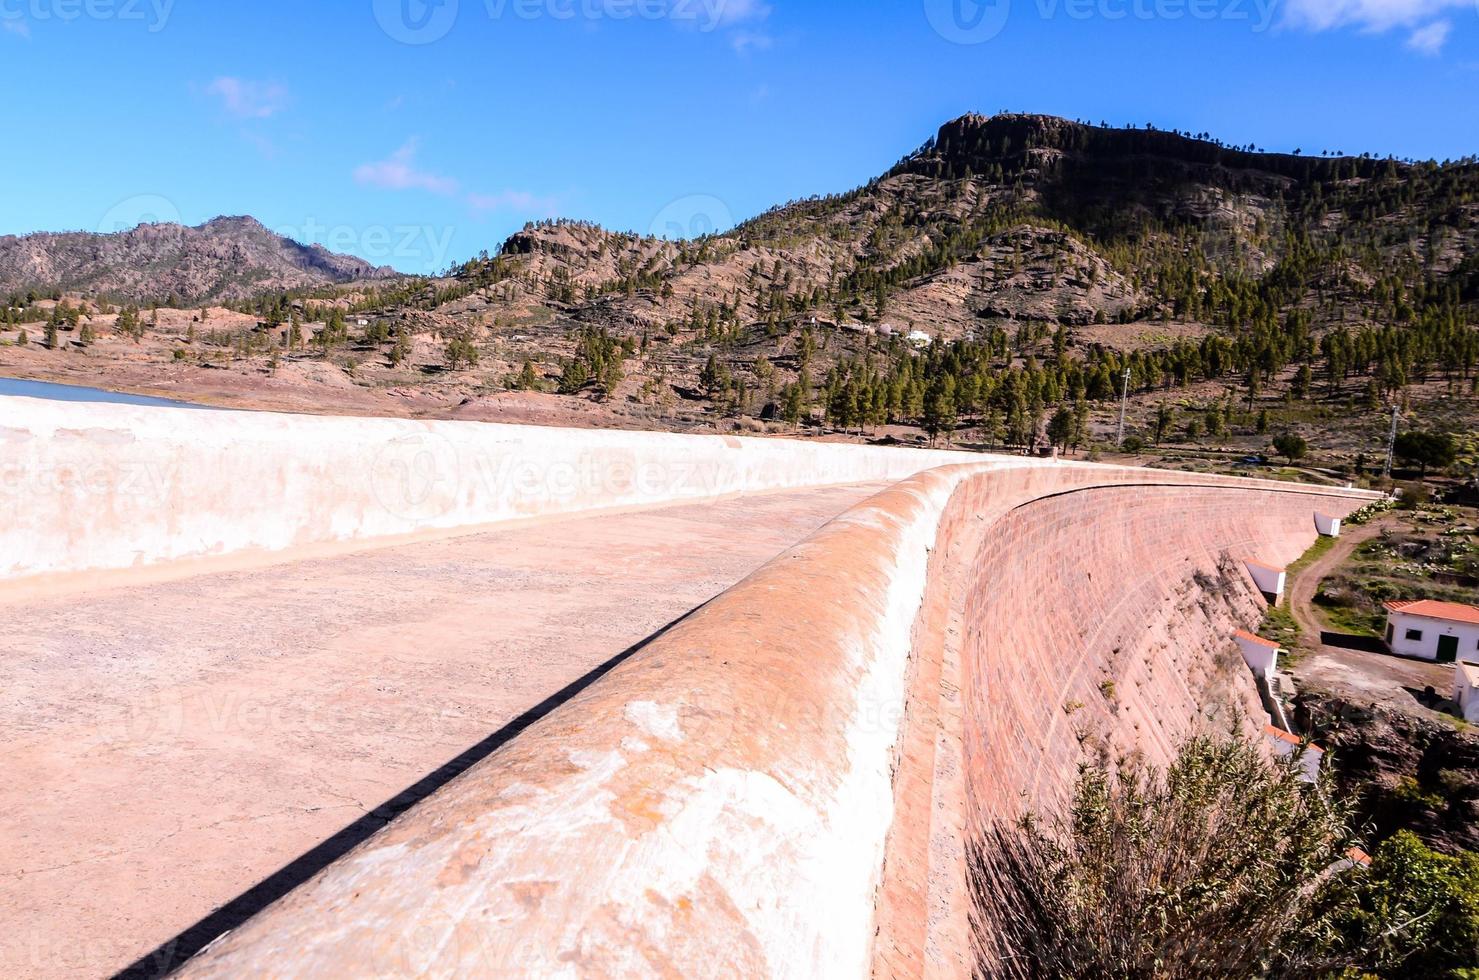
{"points": [[226, 258]]}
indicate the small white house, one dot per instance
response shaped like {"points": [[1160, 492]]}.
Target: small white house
{"points": [[1262, 655], [1327, 525], [1466, 691], [919, 338], [1441, 631]]}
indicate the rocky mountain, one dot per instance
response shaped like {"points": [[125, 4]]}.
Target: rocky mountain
{"points": [[1032, 244], [1033, 219], [1002, 279], [227, 258]]}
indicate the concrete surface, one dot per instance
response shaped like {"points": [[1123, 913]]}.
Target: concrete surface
{"points": [[782, 784], [167, 746], [90, 488]]}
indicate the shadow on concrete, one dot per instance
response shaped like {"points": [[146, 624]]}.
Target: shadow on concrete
{"points": [[173, 953], [1349, 641]]}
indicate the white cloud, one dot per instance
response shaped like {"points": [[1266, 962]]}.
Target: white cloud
{"points": [[17, 27], [723, 13], [247, 99], [519, 201], [744, 42], [1377, 17], [399, 173], [1429, 40]]}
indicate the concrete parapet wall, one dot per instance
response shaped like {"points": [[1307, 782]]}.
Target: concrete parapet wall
{"points": [[782, 784], [90, 487]]}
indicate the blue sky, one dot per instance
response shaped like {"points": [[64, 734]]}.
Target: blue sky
{"points": [[416, 135]]}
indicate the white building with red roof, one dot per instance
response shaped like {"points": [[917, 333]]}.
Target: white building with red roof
{"points": [[1443, 631], [1262, 655]]}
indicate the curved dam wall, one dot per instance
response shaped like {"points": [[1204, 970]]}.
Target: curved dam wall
{"points": [[92, 488], [783, 784]]}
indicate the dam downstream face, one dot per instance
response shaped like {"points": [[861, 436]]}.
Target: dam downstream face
{"points": [[171, 745]]}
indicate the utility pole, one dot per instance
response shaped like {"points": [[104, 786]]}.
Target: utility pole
{"points": [[1124, 400], [1386, 472]]}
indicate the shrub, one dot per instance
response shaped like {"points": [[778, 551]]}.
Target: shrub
{"points": [[1223, 865], [1204, 870], [1291, 447]]}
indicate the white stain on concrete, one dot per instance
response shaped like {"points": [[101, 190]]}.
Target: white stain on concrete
{"points": [[658, 720]]}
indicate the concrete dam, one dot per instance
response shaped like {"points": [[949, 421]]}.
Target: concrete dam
{"points": [[306, 696]]}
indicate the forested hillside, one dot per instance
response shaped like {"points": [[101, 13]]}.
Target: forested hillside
{"points": [[994, 286]]}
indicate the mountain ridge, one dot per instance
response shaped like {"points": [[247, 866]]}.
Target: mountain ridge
{"points": [[229, 257], [1009, 270]]}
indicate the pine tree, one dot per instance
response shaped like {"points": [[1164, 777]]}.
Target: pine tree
{"points": [[939, 408], [1061, 428], [1165, 419]]}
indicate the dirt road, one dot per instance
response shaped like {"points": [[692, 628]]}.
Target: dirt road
{"points": [[1307, 582], [1357, 675]]}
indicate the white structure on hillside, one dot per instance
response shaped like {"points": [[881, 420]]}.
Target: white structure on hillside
{"points": [[1327, 525], [919, 338], [1269, 580], [1466, 691], [1441, 631], [1262, 655], [1309, 755]]}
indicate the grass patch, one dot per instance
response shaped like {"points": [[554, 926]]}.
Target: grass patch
{"points": [[1354, 622], [1279, 625], [1318, 550]]}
